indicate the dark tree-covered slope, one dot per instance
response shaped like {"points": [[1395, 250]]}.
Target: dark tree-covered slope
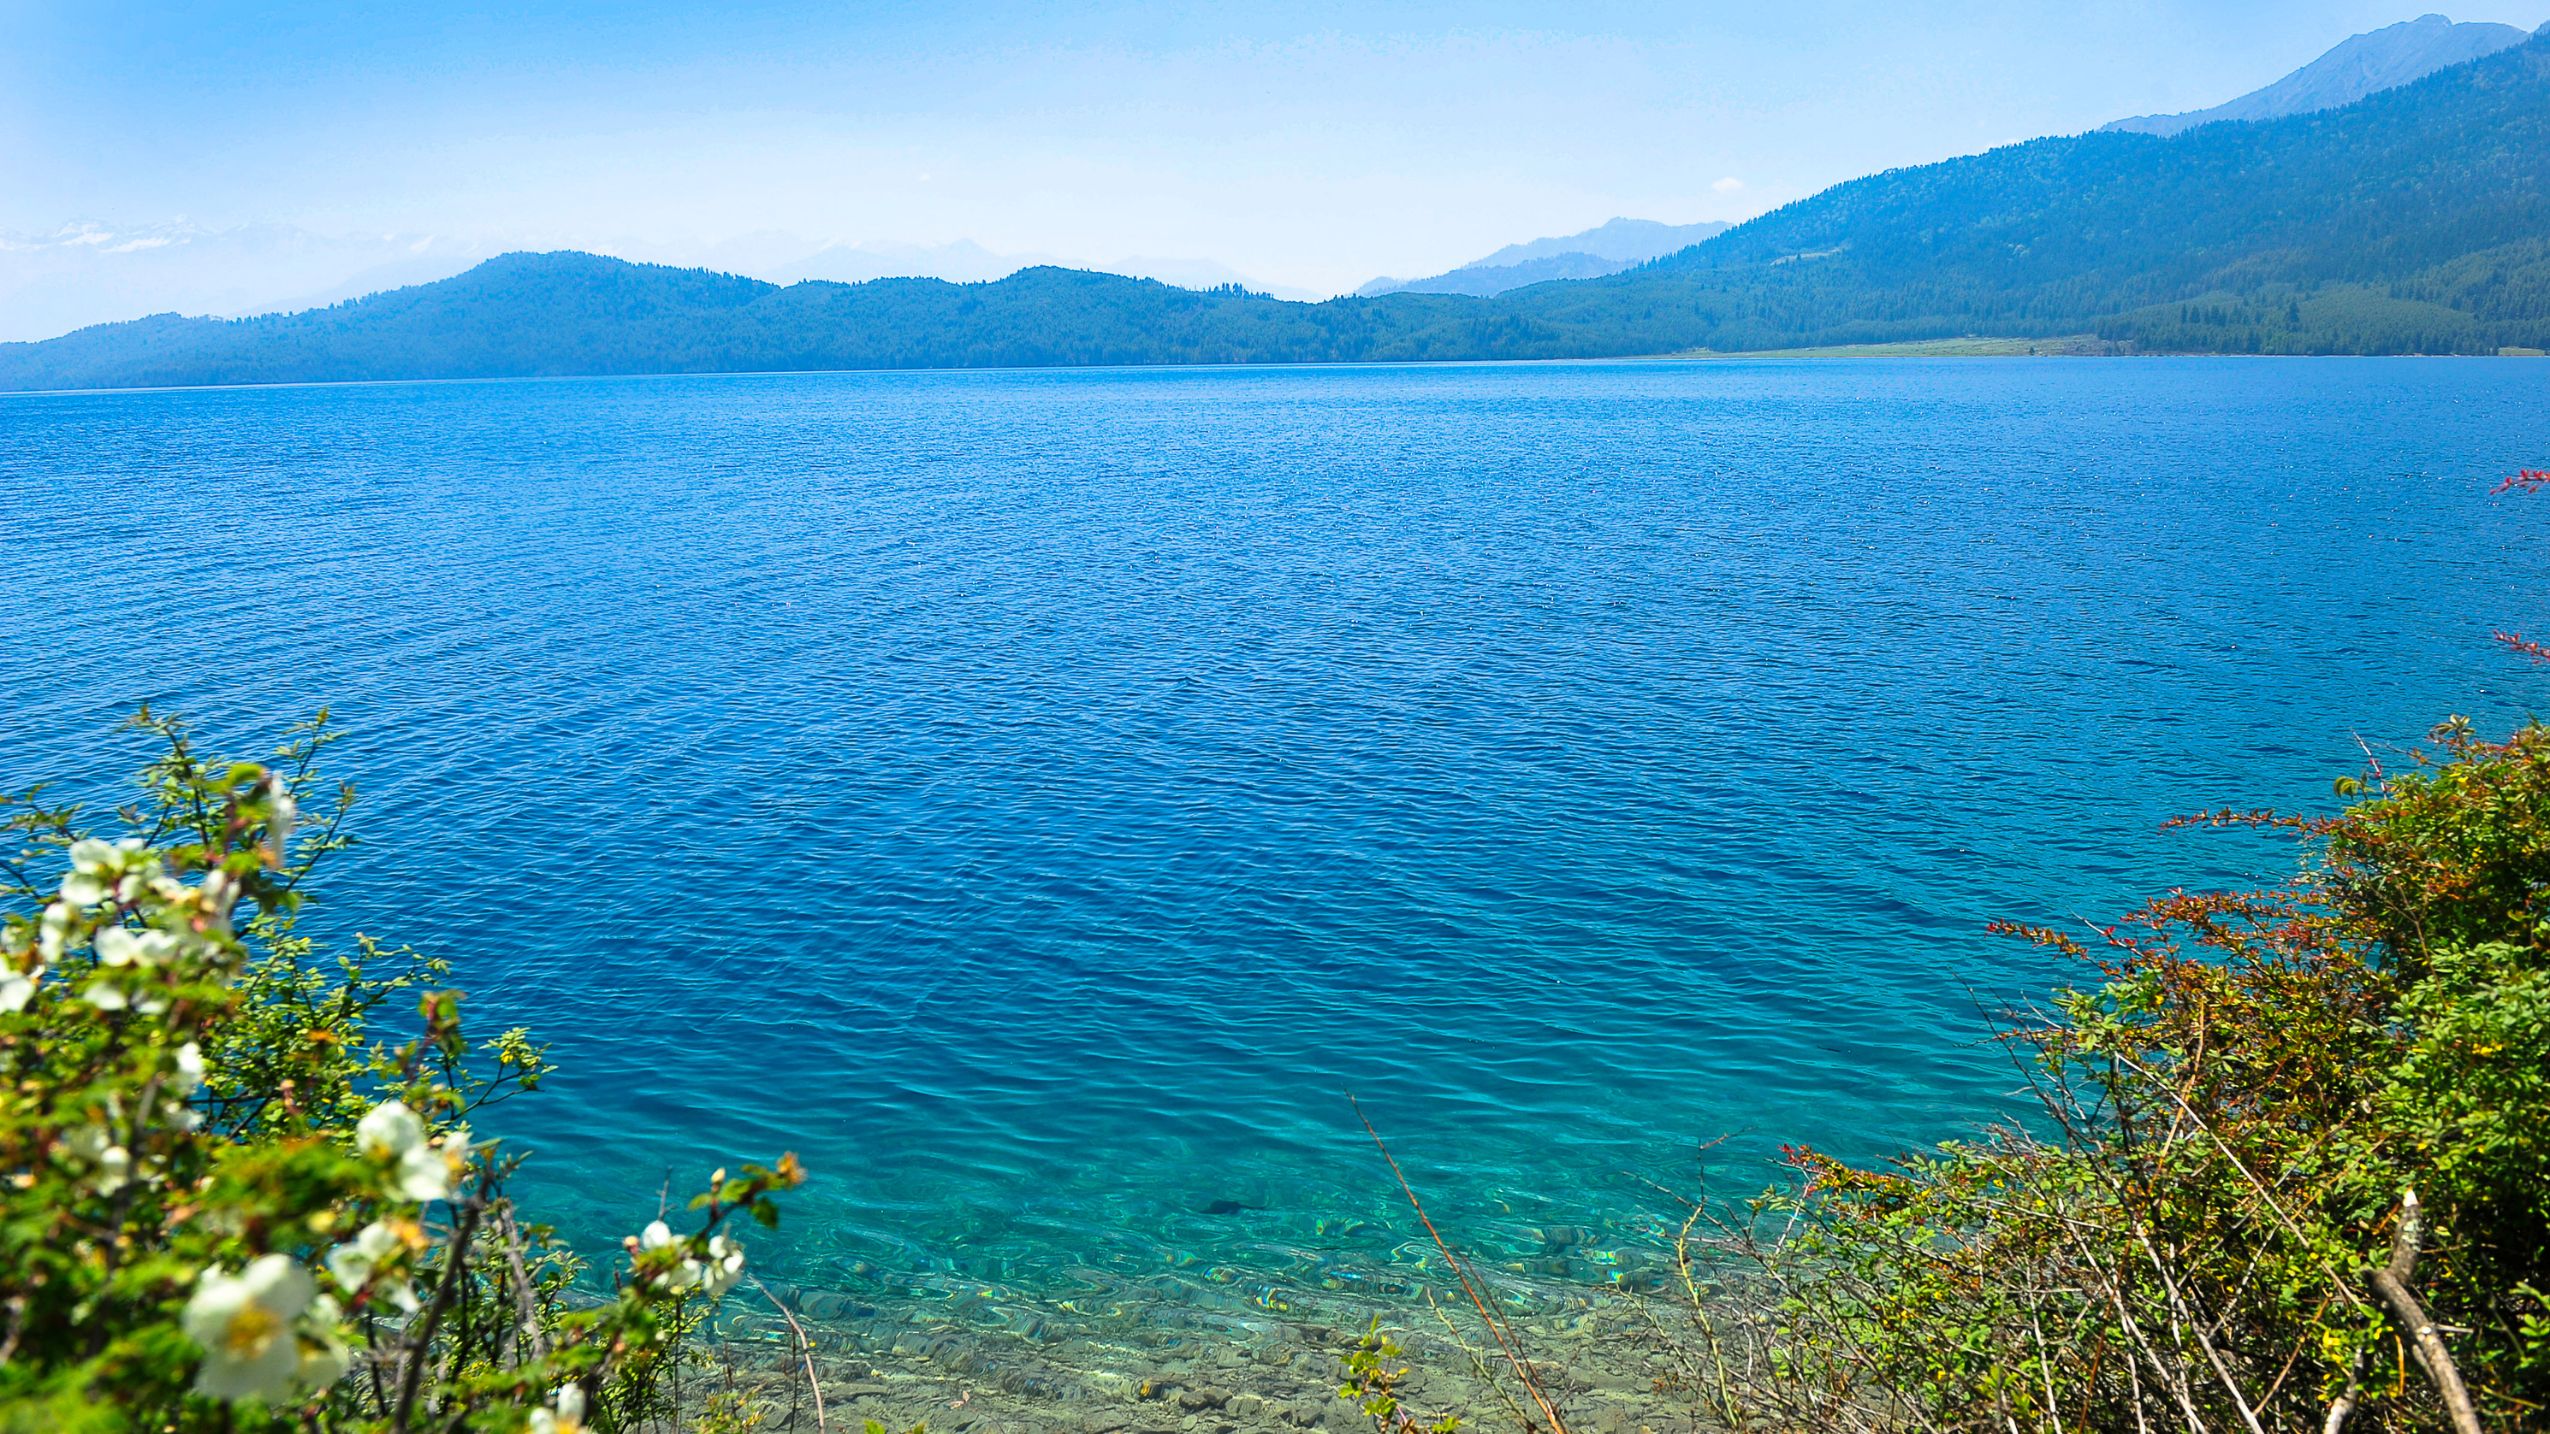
{"points": [[2416, 221]]}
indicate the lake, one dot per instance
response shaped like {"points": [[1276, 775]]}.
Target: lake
{"points": [[1040, 799]]}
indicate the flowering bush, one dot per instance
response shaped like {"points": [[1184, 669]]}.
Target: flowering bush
{"points": [[229, 1200]]}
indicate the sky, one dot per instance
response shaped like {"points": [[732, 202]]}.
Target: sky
{"points": [[1306, 145]]}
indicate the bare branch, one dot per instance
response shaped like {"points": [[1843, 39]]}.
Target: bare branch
{"points": [[2391, 1282]]}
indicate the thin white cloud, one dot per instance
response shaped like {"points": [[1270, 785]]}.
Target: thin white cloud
{"points": [[1728, 185], [133, 246]]}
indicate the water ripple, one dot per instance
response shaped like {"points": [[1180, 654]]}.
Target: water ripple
{"points": [[1038, 797]]}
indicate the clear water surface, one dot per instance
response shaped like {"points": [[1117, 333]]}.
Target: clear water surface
{"points": [[1039, 798]]}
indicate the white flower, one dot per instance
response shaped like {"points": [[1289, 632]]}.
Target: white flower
{"points": [[389, 1132], [96, 864], [321, 1344], [190, 1070], [129, 889], [425, 1171], [430, 1172], [245, 1324], [17, 987], [455, 1148], [122, 949], [122, 946], [107, 996], [97, 856], [682, 1276], [565, 1417], [282, 811], [352, 1263], [110, 1164], [356, 1264], [422, 1176], [186, 1079], [221, 893], [52, 933], [724, 1267], [117, 946]]}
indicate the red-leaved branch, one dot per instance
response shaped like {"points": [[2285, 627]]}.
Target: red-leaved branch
{"points": [[2530, 480]]}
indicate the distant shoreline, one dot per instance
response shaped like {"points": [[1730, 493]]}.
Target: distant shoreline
{"points": [[1918, 348], [2073, 346], [2066, 346]]}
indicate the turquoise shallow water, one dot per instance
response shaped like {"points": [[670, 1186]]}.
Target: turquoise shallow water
{"points": [[1039, 798]]}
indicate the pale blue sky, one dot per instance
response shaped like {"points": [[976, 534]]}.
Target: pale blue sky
{"points": [[1304, 143]]}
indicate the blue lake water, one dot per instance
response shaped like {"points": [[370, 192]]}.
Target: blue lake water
{"points": [[1038, 799]]}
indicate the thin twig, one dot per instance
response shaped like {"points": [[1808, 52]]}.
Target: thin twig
{"points": [[805, 1348], [1460, 1272], [2255, 1183], [454, 1264], [2343, 1408], [523, 1303], [2045, 1364], [2171, 1380]]}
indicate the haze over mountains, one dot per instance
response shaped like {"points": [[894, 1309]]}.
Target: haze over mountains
{"points": [[1605, 249], [2365, 65], [81, 274], [2417, 220]]}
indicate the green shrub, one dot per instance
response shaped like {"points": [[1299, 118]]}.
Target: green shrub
{"points": [[232, 1198], [2281, 1133]]}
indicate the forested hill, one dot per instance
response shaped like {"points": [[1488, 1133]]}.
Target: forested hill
{"points": [[569, 313], [2416, 221]]}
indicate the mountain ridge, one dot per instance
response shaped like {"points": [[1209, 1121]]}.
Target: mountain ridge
{"points": [[2417, 220], [1630, 241], [1607, 248], [1489, 280], [2354, 69]]}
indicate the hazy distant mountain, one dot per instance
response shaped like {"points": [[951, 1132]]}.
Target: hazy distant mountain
{"points": [[1605, 249], [1626, 241], [787, 259], [2365, 65], [84, 274], [1487, 280], [2414, 221], [1196, 274]]}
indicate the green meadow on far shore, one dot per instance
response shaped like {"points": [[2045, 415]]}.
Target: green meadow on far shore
{"points": [[2068, 346]]}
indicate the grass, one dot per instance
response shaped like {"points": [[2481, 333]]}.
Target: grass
{"points": [[2072, 346]]}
